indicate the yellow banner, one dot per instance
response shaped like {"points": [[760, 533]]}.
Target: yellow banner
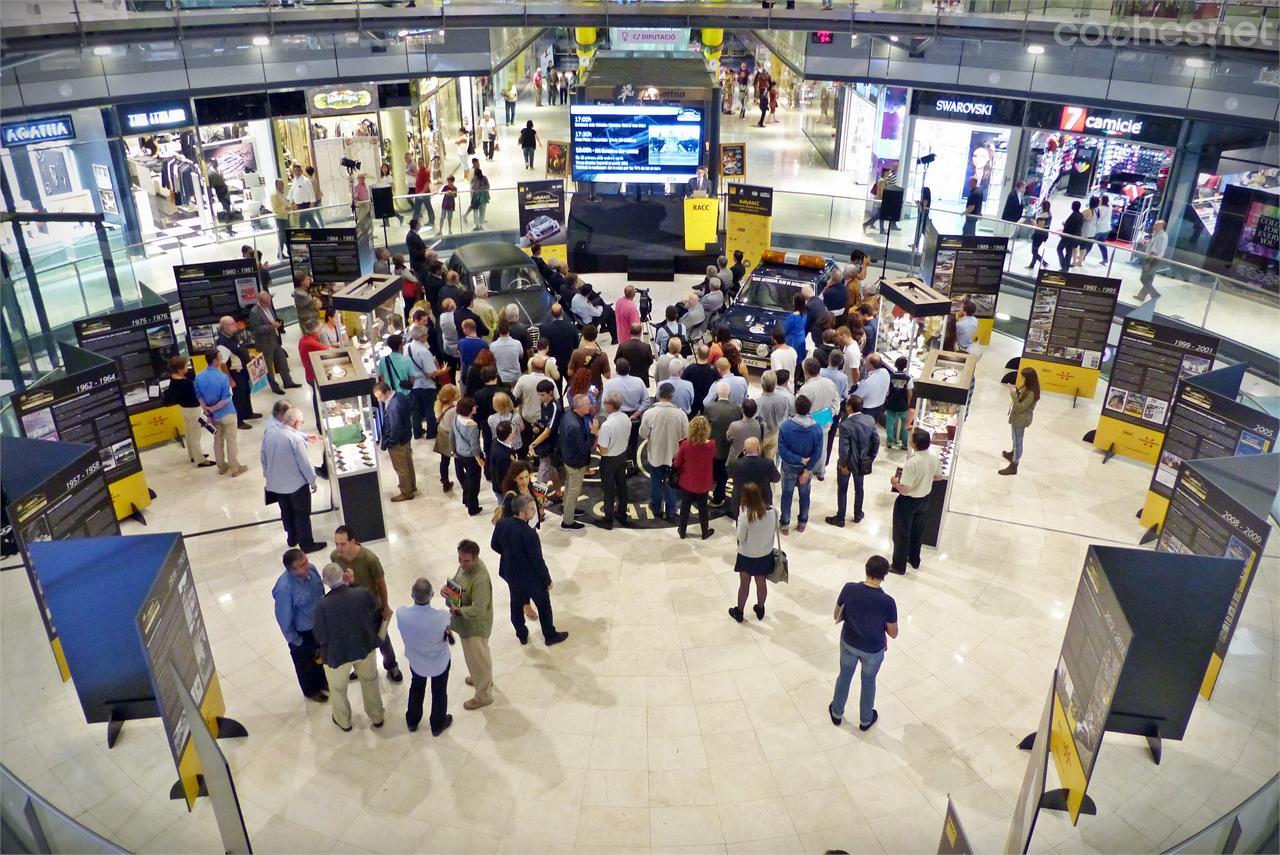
{"points": [[985, 326], [1061, 378], [1138, 443], [189, 769], [128, 493], [1153, 510], [749, 221], [701, 218], [156, 427], [1066, 759], [1211, 677]]}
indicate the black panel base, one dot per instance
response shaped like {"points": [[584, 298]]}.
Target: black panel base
{"points": [[176, 793], [137, 514], [361, 501], [1028, 742], [1057, 800], [1155, 746], [114, 726], [1010, 378], [1109, 453], [152, 494], [1149, 535], [1088, 437], [229, 728], [1012, 364]]}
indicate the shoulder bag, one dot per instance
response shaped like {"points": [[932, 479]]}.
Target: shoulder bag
{"points": [[781, 572]]}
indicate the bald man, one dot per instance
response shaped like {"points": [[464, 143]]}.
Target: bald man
{"points": [[753, 468]]}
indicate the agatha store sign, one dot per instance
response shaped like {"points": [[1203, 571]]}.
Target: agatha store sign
{"points": [[52, 129], [324, 102]]}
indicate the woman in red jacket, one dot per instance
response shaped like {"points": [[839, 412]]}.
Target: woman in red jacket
{"points": [[694, 460]]}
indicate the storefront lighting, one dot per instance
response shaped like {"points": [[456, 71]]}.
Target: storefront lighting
{"points": [[1035, 50], [403, 33], [893, 39], [1194, 62], [261, 41], [102, 50]]}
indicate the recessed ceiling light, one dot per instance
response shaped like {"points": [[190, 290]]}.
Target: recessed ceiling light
{"points": [[261, 41], [1194, 62], [402, 33], [1035, 50], [102, 50], [893, 39]]}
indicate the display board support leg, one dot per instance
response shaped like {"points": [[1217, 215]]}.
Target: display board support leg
{"points": [[1088, 437], [114, 725], [176, 793], [1057, 800], [179, 438], [1109, 453], [229, 728], [1150, 535], [137, 514], [151, 493], [1075, 396], [1027, 742], [1012, 364], [1010, 378], [1156, 746]]}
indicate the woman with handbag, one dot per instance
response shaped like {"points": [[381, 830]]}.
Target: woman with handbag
{"points": [[757, 528], [695, 476], [1022, 406], [446, 411]]}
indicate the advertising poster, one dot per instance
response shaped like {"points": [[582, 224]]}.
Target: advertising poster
{"points": [[1067, 330], [1246, 237], [1150, 360], [87, 406], [749, 221], [208, 292], [557, 159], [733, 161], [1219, 508], [542, 217], [635, 143], [953, 841], [54, 493], [328, 256], [983, 146], [172, 630], [232, 158], [969, 268], [140, 341], [1093, 653]]}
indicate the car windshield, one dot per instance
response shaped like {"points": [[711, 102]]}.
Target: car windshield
{"points": [[771, 291], [514, 279]]}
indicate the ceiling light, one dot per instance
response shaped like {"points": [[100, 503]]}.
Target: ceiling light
{"points": [[893, 39], [102, 50], [1194, 62], [1035, 50], [403, 33], [261, 41]]}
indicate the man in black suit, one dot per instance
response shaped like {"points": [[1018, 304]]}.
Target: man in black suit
{"points": [[451, 290], [236, 359], [562, 335], [638, 353], [1071, 228], [464, 311], [753, 468], [525, 570], [1012, 212], [700, 183], [535, 252], [972, 208], [417, 249], [432, 280]]}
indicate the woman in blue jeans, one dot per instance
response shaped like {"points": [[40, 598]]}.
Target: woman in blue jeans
{"points": [[1023, 400], [870, 618]]}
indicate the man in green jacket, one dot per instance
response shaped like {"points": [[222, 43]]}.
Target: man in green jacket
{"points": [[473, 620]]}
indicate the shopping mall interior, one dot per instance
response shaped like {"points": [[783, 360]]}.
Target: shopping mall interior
{"points": [[277, 275]]}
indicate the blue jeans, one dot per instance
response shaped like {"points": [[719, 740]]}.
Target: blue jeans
{"points": [[849, 659], [661, 496], [791, 482], [1017, 442], [895, 427]]}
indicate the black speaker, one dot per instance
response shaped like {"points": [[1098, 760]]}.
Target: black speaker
{"points": [[891, 204], [384, 205]]}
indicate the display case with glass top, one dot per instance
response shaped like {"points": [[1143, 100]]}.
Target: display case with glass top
{"points": [[375, 299], [941, 395], [913, 318]]}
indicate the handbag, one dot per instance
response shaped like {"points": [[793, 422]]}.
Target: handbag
{"points": [[673, 478], [781, 572]]}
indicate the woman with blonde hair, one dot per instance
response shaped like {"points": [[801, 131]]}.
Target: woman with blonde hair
{"points": [[756, 526], [694, 462], [446, 411], [504, 410]]}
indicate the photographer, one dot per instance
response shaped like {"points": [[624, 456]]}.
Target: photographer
{"points": [[590, 308]]}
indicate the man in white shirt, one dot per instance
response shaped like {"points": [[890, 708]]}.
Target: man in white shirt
{"points": [[911, 506], [423, 393], [966, 326], [852, 354], [824, 406], [508, 354], [737, 384], [1156, 248], [874, 388], [682, 389], [302, 195], [425, 631], [663, 426], [783, 356], [611, 444], [526, 390]]}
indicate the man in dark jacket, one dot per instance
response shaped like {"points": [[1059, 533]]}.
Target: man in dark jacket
{"points": [[1012, 212], [703, 375], [562, 336], [814, 307], [346, 622], [417, 248], [721, 412], [397, 433], [859, 445], [236, 359], [637, 352], [577, 430], [465, 312], [753, 468], [1071, 228], [525, 570]]}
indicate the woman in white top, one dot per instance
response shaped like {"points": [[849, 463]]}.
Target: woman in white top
{"points": [[1102, 224], [449, 332], [757, 524]]}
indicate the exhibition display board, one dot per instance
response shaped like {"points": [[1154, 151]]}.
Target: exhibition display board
{"points": [[53, 491], [912, 319], [1206, 421], [328, 256], [1150, 360], [941, 393], [84, 403], [349, 420], [141, 341], [1220, 508], [1093, 655], [209, 292], [748, 221], [1031, 794], [1067, 330], [542, 217], [953, 841], [966, 268]]}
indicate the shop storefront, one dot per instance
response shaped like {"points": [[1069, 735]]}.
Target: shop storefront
{"points": [[345, 129], [873, 127], [821, 118], [236, 142], [59, 164], [1073, 152], [969, 136], [162, 155], [439, 116]]}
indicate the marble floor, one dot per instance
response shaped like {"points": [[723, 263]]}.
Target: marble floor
{"points": [[661, 725]]}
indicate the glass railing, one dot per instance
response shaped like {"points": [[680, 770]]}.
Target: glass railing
{"points": [[1222, 305], [32, 824]]}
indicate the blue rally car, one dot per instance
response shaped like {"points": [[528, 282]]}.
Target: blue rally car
{"points": [[767, 296]]}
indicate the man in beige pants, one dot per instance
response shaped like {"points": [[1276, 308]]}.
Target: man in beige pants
{"points": [[471, 605], [346, 627], [213, 389]]}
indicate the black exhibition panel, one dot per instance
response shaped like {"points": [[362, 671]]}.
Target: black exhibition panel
{"points": [[1150, 360], [329, 256], [140, 340], [208, 292]]}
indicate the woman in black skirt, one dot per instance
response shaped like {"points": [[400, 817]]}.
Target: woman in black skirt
{"points": [[756, 526]]}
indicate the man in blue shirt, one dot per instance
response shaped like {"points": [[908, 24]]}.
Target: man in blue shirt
{"points": [[469, 346], [296, 593], [576, 443], [425, 631], [800, 447], [737, 384], [397, 432], [681, 389], [870, 616], [213, 388], [290, 477]]}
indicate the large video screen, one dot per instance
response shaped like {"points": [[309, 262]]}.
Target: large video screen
{"points": [[635, 143]]}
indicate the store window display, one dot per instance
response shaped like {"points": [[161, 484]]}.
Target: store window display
{"points": [[241, 154], [168, 184]]}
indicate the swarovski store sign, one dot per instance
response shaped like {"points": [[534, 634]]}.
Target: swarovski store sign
{"points": [[966, 108], [1103, 122], [51, 129]]}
